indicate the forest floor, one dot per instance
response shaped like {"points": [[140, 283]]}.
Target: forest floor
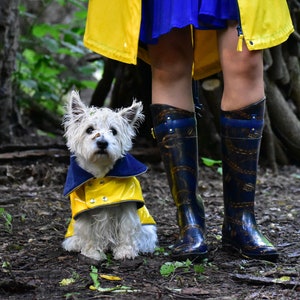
{"points": [[34, 265]]}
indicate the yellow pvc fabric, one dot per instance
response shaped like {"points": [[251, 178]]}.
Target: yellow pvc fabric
{"points": [[112, 30], [107, 191]]}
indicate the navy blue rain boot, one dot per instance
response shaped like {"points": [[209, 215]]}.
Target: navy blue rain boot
{"points": [[241, 132], [176, 134]]}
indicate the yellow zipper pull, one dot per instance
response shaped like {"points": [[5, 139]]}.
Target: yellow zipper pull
{"points": [[153, 133], [241, 38]]}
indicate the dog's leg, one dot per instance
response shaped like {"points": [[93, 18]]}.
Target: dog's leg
{"points": [[146, 239], [72, 243], [129, 226], [85, 231]]}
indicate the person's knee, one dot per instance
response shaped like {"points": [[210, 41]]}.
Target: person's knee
{"points": [[245, 64], [172, 57], [172, 70]]}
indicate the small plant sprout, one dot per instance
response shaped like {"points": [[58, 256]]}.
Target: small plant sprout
{"points": [[97, 286], [161, 250], [211, 162], [7, 218], [169, 268]]}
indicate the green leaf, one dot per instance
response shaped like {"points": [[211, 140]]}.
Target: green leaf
{"points": [[42, 72], [188, 263], [8, 219], [41, 30], [29, 83], [80, 15], [220, 170], [88, 84], [199, 268], [61, 2], [210, 162], [73, 48], [51, 44], [95, 277], [30, 56], [167, 268], [78, 3]]}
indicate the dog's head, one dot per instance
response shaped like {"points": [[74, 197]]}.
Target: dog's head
{"points": [[100, 136]]}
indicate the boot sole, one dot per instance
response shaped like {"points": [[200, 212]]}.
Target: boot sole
{"points": [[228, 247]]}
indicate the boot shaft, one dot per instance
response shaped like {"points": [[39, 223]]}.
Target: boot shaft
{"points": [[176, 134], [241, 133]]}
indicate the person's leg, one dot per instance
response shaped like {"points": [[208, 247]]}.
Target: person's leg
{"points": [[242, 71], [242, 120], [171, 63], [175, 130]]}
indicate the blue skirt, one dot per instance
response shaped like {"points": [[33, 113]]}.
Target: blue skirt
{"points": [[160, 16]]}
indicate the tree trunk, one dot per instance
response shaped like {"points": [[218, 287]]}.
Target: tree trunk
{"points": [[285, 125], [9, 33]]}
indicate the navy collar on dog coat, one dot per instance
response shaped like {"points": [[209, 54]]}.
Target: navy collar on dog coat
{"points": [[126, 166]]}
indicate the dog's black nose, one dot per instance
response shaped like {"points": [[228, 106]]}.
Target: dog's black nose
{"points": [[102, 144]]}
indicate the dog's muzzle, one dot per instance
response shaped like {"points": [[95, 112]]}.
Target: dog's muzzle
{"points": [[102, 145]]}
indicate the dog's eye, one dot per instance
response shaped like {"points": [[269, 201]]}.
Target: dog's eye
{"points": [[114, 131], [89, 130]]}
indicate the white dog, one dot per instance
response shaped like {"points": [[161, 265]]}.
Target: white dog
{"points": [[108, 211]]}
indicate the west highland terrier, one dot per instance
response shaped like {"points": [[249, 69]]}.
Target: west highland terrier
{"points": [[108, 209]]}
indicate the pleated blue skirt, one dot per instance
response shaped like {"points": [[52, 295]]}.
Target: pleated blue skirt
{"points": [[160, 16]]}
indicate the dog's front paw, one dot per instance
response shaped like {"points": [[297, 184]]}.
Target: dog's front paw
{"points": [[147, 239], [72, 244], [122, 252]]}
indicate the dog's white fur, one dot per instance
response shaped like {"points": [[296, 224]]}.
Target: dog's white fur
{"points": [[99, 137]]}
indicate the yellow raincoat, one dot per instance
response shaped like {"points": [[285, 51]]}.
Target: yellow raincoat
{"points": [[112, 30], [120, 185], [107, 191]]}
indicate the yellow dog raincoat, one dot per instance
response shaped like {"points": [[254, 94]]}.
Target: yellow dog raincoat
{"points": [[118, 186]]}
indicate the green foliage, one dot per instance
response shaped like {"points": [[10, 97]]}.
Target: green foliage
{"points": [[199, 269], [97, 287], [7, 219], [95, 277], [6, 267], [48, 60], [211, 162], [161, 250], [169, 268]]}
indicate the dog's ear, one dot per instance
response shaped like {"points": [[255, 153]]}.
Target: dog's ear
{"points": [[133, 114], [76, 107], [75, 110]]}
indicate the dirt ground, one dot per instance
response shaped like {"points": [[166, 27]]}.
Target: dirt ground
{"points": [[34, 266]]}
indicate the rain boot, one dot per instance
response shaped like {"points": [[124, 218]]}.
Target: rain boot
{"points": [[176, 133], [241, 132]]}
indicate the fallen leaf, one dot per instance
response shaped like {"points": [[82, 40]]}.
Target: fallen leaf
{"points": [[110, 277]]}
